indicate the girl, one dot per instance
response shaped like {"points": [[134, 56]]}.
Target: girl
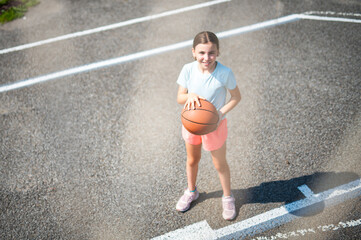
{"points": [[207, 79]]}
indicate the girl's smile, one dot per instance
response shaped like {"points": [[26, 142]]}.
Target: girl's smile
{"points": [[206, 55]]}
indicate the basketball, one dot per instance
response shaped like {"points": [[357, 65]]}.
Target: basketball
{"points": [[201, 120]]}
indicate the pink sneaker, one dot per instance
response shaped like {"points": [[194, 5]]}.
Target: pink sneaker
{"points": [[185, 201], [229, 209]]}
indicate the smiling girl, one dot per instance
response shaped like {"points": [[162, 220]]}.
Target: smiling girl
{"points": [[206, 78]]}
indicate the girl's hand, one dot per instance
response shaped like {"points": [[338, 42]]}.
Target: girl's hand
{"points": [[192, 99]]}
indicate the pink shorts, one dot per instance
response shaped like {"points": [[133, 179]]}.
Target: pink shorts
{"points": [[211, 141]]}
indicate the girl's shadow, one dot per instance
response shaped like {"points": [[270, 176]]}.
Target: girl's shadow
{"points": [[286, 190]]}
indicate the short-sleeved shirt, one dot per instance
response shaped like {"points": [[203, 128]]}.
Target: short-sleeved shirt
{"points": [[212, 87]]}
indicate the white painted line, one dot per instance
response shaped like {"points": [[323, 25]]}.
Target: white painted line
{"points": [[306, 190], [93, 66], [199, 231], [333, 13], [258, 26], [275, 217], [312, 231], [147, 53], [330, 19], [143, 54], [112, 26], [281, 215]]}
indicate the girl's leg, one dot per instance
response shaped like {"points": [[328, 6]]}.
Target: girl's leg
{"points": [[228, 201], [221, 165], [193, 158]]}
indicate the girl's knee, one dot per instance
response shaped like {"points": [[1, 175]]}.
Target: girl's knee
{"points": [[193, 160], [194, 153], [221, 166]]}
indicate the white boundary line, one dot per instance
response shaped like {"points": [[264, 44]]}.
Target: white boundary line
{"points": [[333, 13], [112, 26], [330, 19], [93, 66], [306, 190], [267, 220], [312, 230], [147, 53]]}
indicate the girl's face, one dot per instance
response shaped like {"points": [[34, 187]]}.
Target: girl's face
{"points": [[206, 55]]}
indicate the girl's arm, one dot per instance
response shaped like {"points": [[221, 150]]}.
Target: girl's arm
{"points": [[188, 99], [235, 98], [182, 95]]}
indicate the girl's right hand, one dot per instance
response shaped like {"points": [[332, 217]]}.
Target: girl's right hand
{"points": [[192, 100]]}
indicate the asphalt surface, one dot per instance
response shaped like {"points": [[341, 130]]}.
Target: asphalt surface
{"points": [[99, 155]]}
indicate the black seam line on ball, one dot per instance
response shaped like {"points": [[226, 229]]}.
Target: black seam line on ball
{"points": [[198, 122]]}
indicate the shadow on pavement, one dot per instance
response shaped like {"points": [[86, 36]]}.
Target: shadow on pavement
{"points": [[286, 191]]}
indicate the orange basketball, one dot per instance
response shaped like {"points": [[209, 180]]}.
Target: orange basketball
{"points": [[201, 120]]}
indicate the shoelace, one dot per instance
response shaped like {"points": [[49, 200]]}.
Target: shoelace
{"points": [[228, 205], [188, 198]]}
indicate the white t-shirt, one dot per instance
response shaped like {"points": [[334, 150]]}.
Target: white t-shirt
{"points": [[212, 87]]}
